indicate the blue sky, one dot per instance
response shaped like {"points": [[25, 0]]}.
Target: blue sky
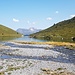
{"points": [[39, 14]]}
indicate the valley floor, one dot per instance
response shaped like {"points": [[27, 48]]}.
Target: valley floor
{"points": [[36, 59]]}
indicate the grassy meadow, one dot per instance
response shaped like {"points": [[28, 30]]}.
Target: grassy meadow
{"points": [[7, 32], [63, 31]]}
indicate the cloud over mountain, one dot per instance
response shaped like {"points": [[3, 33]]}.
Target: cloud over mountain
{"points": [[15, 20]]}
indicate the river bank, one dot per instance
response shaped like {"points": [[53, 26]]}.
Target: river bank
{"points": [[21, 58]]}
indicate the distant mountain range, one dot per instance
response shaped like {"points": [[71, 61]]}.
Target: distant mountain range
{"points": [[5, 31], [64, 30], [28, 31]]}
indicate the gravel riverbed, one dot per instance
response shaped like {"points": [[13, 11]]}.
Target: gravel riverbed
{"points": [[31, 59]]}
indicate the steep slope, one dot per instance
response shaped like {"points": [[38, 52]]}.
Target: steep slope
{"points": [[5, 31], [64, 30]]}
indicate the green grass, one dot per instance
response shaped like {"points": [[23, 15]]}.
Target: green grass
{"points": [[5, 31], [1, 67], [62, 31]]}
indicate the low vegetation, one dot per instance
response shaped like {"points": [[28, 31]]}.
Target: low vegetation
{"points": [[10, 68], [66, 44], [62, 31], [7, 32], [2, 73], [59, 71]]}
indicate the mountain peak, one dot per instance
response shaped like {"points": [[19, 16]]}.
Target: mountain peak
{"points": [[32, 28], [29, 31]]}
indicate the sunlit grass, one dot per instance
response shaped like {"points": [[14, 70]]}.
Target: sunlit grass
{"points": [[66, 44], [5, 31]]}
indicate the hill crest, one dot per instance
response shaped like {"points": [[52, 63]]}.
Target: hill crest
{"points": [[5, 31], [63, 31]]}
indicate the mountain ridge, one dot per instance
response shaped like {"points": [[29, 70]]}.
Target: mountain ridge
{"points": [[29, 31], [64, 30]]}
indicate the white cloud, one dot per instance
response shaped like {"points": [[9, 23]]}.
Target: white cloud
{"points": [[72, 15], [15, 20], [33, 23], [49, 18], [57, 12]]}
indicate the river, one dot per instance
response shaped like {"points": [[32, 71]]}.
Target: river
{"points": [[28, 39], [24, 38]]}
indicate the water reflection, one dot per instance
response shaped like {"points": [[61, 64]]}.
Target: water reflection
{"points": [[7, 38], [24, 38], [28, 39]]}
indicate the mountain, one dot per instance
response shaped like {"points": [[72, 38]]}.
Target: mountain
{"points": [[5, 31], [28, 31], [64, 30]]}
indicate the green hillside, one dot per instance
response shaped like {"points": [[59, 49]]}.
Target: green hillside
{"points": [[62, 31], [5, 31]]}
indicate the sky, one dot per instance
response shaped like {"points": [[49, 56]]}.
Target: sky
{"points": [[39, 14]]}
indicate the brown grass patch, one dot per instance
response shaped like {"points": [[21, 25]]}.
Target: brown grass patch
{"points": [[66, 44]]}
